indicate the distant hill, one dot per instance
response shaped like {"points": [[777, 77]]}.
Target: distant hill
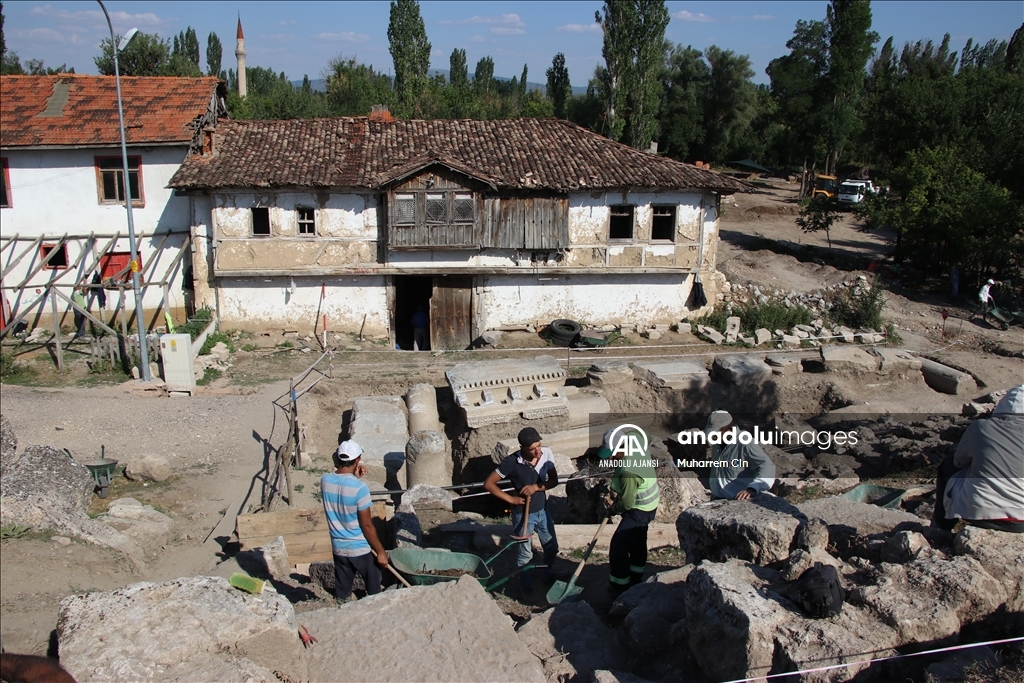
{"points": [[320, 85]]}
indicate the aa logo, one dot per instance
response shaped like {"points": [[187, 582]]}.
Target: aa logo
{"points": [[627, 441]]}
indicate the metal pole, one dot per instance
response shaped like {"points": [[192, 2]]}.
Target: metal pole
{"points": [[143, 347]]}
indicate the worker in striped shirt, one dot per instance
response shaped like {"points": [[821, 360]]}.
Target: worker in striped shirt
{"points": [[353, 538]]}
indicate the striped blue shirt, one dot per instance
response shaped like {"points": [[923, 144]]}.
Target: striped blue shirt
{"points": [[344, 496]]}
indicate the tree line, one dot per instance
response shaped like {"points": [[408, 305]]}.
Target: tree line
{"points": [[942, 130]]}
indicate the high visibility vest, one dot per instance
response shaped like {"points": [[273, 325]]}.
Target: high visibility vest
{"points": [[648, 494]]}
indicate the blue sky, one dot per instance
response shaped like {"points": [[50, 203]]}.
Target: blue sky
{"points": [[302, 37]]}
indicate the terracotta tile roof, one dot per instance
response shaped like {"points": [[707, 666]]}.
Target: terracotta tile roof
{"points": [[544, 154], [82, 110]]}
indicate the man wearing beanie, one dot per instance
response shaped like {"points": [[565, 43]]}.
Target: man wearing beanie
{"points": [[745, 469], [357, 550], [531, 470]]}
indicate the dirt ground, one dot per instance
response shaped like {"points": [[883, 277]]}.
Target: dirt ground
{"points": [[217, 441]]}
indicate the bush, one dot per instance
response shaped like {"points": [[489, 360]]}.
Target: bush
{"points": [[860, 307], [197, 323], [771, 316], [211, 341]]}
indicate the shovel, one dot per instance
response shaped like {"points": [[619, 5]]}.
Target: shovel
{"points": [[526, 521], [561, 591]]}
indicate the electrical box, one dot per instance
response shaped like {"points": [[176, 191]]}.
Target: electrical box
{"points": [[179, 370]]}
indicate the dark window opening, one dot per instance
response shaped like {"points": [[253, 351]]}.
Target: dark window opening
{"points": [[59, 260], [111, 174], [663, 224], [5, 186], [307, 222], [260, 221], [620, 227]]}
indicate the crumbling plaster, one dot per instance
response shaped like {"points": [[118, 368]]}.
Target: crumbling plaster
{"points": [[598, 299]]}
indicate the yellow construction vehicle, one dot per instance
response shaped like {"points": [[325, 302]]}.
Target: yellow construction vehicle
{"points": [[824, 185]]}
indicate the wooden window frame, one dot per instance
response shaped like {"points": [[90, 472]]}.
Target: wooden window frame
{"points": [[632, 218], [420, 202], [252, 222], [7, 201], [300, 222], [44, 251], [415, 209], [118, 171], [672, 234]]}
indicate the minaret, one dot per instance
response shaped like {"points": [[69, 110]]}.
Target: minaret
{"points": [[240, 56]]}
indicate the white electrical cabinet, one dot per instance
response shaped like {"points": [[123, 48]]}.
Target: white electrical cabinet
{"points": [[179, 370]]}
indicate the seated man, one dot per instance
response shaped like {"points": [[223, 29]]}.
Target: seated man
{"points": [[983, 481], [744, 470]]}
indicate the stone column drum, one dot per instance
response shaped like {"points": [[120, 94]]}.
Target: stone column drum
{"points": [[421, 399], [426, 456]]}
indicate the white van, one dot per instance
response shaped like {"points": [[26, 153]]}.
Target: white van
{"points": [[854, 191]]}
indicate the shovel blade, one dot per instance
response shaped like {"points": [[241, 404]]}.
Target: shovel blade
{"points": [[561, 592]]}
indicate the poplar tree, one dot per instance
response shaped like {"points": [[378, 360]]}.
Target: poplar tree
{"points": [[559, 89], [458, 74], [214, 53], [410, 50], [483, 74]]}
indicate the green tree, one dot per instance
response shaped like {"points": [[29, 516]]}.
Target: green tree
{"points": [[818, 214], [559, 90], [634, 53], [850, 45], [483, 75], [945, 212], [146, 55], [458, 70], [410, 50], [353, 89], [214, 54], [730, 101]]}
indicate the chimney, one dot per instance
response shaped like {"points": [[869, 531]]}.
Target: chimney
{"points": [[653, 149], [380, 112]]}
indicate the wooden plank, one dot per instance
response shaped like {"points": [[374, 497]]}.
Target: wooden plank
{"points": [[279, 523], [311, 546]]}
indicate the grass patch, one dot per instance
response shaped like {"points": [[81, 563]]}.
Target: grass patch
{"points": [[210, 375], [8, 531], [892, 337], [578, 370], [197, 323], [286, 344], [123, 487], [298, 488], [770, 316], [596, 557], [14, 372], [250, 347], [212, 340]]}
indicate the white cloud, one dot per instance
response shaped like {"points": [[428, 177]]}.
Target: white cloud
{"points": [[579, 28], [762, 17], [280, 37], [507, 31], [121, 20], [504, 20], [477, 39], [282, 22], [684, 15], [346, 37], [40, 35]]}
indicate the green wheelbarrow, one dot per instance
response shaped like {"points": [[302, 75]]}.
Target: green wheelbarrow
{"points": [[882, 496], [426, 566]]}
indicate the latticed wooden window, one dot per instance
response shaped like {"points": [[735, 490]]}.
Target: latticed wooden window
{"points": [[307, 222], [405, 209], [437, 208], [463, 207]]}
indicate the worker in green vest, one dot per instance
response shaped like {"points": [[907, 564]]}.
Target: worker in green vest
{"points": [[635, 496]]}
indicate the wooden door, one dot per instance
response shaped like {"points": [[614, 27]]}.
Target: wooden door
{"points": [[451, 317]]}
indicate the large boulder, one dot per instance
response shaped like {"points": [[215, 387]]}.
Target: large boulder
{"points": [[141, 523], [46, 489], [742, 369], [650, 610], [8, 445], [848, 519], [163, 631], [571, 641], [450, 631], [1002, 555], [740, 626], [760, 530], [931, 599], [148, 467]]}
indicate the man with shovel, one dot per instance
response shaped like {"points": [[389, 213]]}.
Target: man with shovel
{"points": [[531, 470], [635, 496]]}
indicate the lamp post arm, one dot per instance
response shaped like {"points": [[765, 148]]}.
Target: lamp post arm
{"points": [[135, 267]]}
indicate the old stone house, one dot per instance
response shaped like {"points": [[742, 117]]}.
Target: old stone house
{"points": [[62, 211], [484, 223]]}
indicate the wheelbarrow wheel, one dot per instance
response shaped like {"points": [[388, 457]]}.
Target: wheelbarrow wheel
{"points": [[103, 486]]}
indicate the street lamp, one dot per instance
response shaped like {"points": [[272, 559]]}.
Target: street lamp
{"points": [[139, 317]]}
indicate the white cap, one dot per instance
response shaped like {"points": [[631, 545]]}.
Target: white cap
{"points": [[1013, 402], [717, 420], [990, 281], [349, 451]]}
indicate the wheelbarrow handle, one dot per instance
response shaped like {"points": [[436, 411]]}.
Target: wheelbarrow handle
{"points": [[505, 579], [399, 576]]}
